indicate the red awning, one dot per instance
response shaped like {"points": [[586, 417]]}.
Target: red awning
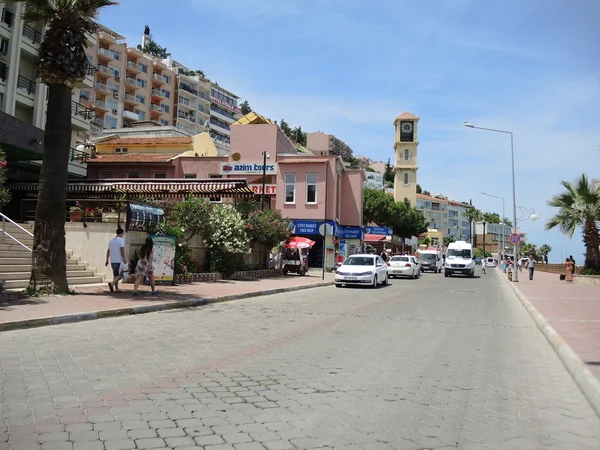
{"points": [[375, 237]]}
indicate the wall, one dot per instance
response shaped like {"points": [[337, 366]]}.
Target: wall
{"points": [[204, 145], [120, 170], [251, 140], [352, 194], [202, 166], [318, 143], [104, 148]]}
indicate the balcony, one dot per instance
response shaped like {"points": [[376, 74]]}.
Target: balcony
{"points": [[160, 78], [103, 71], [102, 88], [156, 108], [157, 93], [133, 66], [191, 90], [133, 82], [131, 99], [26, 85], [78, 156], [106, 38], [108, 54], [81, 116], [97, 124], [3, 72], [101, 105], [35, 36], [188, 117], [130, 115]]}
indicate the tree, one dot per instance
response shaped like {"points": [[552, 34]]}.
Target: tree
{"points": [[491, 217], [507, 222], [579, 207], [285, 128], [472, 215], [544, 250], [298, 136], [152, 48], [426, 193], [425, 241], [449, 239], [419, 190], [380, 208], [61, 64], [369, 169], [376, 207], [388, 175], [245, 107]]}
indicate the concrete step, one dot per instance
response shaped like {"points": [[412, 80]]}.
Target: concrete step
{"points": [[26, 261], [72, 265], [73, 281], [22, 253], [25, 275]]}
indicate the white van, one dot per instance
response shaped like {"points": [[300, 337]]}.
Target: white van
{"points": [[459, 259], [431, 260]]}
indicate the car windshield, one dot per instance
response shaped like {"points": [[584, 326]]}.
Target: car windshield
{"points": [[427, 256], [458, 253], [360, 261], [399, 258]]}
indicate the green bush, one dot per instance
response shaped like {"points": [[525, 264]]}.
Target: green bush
{"points": [[589, 271]]}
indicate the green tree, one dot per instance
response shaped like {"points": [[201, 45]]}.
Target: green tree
{"points": [[380, 208], [298, 136], [153, 49], [419, 190], [472, 215], [4, 191], [61, 64], [545, 250], [507, 222], [449, 239], [377, 206], [369, 169], [579, 207], [491, 217], [245, 107], [388, 175], [425, 241], [526, 249], [285, 127], [426, 193]]}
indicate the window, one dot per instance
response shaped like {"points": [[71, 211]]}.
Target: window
{"points": [[141, 82], [165, 108], [406, 155], [112, 87], [114, 71], [311, 188], [111, 104], [104, 175], [143, 67], [166, 93], [140, 113], [406, 178], [3, 46], [121, 150], [133, 174], [164, 122], [190, 175], [110, 121], [140, 98], [215, 199], [85, 94], [159, 175], [290, 187]]}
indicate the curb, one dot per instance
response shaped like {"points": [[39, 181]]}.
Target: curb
{"points": [[190, 302], [587, 383]]}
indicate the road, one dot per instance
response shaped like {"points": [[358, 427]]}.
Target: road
{"points": [[422, 364]]}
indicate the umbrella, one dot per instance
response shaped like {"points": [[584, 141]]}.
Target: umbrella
{"points": [[299, 242]]}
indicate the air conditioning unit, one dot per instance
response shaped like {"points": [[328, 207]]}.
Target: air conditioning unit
{"points": [[115, 111], [116, 94], [117, 77]]}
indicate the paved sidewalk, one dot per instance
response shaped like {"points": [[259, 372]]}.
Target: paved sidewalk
{"points": [[88, 300], [572, 309]]}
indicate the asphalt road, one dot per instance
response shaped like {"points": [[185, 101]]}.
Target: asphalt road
{"points": [[422, 364]]}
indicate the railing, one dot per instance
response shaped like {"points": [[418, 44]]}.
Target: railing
{"points": [[32, 34], [156, 108], [8, 17], [102, 87], [133, 66], [204, 96], [187, 88], [97, 123], [89, 69], [133, 82], [78, 155], [131, 98], [3, 71], [5, 233], [25, 84], [105, 52], [102, 105], [158, 93], [103, 69], [80, 110], [159, 77]]}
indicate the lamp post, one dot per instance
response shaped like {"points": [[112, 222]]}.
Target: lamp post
{"points": [[264, 178], [514, 190], [501, 222]]}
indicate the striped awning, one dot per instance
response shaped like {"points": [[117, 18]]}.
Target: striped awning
{"points": [[146, 187]]}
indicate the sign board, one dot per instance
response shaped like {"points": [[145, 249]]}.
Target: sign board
{"points": [[515, 238], [225, 104], [379, 230], [349, 232], [141, 217], [270, 189], [310, 227], [164, 257], [248, 168]]}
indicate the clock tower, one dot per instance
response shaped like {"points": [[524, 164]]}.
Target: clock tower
{"points": [[405, 165]]}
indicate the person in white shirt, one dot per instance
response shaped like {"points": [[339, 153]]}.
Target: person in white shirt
{"points": [[116, 256]]}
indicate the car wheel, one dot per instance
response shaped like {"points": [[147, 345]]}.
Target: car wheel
{"points": [[375, 283], [385, 280], [446, 275], [338, 285]]}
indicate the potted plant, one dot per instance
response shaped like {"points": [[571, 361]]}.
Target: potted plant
{"points": [[75, 213]]}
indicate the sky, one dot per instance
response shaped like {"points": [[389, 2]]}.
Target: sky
{"points": [[349, 68]]}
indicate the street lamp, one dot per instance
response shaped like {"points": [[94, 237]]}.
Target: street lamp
{"points": [[532, 215], [514, 190], [262, 196], [502, 221]]}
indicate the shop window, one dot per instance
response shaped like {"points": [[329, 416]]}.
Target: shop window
{"points": [[311, 188], [290, 187]]}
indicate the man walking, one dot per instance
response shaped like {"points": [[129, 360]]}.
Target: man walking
{"points": [[531, 266], [483, 263], [116, 255]]}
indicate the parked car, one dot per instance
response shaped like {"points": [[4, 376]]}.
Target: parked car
{"points": [[404, 266], [362, 270]]}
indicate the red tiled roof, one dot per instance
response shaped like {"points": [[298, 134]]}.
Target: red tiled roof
{"points": [[125, 158], [147, 141], [302, 161]]}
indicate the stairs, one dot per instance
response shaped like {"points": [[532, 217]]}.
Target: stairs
{"points": [[15, 260]]}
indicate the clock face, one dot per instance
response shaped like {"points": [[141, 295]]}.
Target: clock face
{"points": [[407, 127]]}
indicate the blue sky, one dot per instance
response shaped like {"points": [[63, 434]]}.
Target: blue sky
{"points": [[349, 68]]}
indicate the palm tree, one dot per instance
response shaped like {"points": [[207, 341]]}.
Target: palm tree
{"points": [[61, 64], [544, 250], [579, 206], [473, 215]]}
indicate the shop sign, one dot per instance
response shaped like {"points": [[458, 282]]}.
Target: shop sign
{"points": [[142, 217], [250, 168], [311, 227], [270, 189], [349, 232], [164, 257], [225, 104], [383, 231]]}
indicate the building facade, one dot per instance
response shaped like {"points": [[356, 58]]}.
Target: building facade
{"points": [[323, 144], [435, 211], [494, 233], [224, 111], [458, 224], [406, 158]]}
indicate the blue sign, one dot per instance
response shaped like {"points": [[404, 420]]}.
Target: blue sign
{"points": [[309, 227], [379, 230], [349, 232]]}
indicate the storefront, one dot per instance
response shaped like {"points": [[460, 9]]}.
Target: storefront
{"points": [[350, 241], [322, 232]]}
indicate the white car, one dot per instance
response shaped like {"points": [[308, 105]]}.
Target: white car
{"points": [[490, 262], [362, 270], [404, 266]]}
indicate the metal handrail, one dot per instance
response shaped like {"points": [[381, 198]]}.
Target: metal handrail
{"points": [[6, 233]]}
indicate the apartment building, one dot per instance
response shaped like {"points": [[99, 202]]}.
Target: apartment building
{"points": [[327, 144], [24, 97], [129, 86], [224, 110], [435, 211], [458, 224]]}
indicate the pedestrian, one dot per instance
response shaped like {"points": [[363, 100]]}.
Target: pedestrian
{"points": [[483, 266], [573, 261], [569, 269], [531, 266], [144, 267], [383, 255], [115, 255]]}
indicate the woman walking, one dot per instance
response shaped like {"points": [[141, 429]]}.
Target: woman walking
{"points": [[144, 267], [569, 269]]}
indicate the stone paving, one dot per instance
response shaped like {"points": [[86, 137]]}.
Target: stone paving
{"points": [[435, 363]]}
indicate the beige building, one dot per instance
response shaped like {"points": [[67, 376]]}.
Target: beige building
{"points": [[406, 158], [130, 86], [23, 96], [320, 143]]}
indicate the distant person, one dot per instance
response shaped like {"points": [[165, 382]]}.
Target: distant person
{"points": [[115, 255], [546, 259], [569, 269], [531, 266], [383, 256], [144, 267], [572, 260], [483, 266]]}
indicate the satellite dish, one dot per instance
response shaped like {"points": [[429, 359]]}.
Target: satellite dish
{"points": [[236, 156]]}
